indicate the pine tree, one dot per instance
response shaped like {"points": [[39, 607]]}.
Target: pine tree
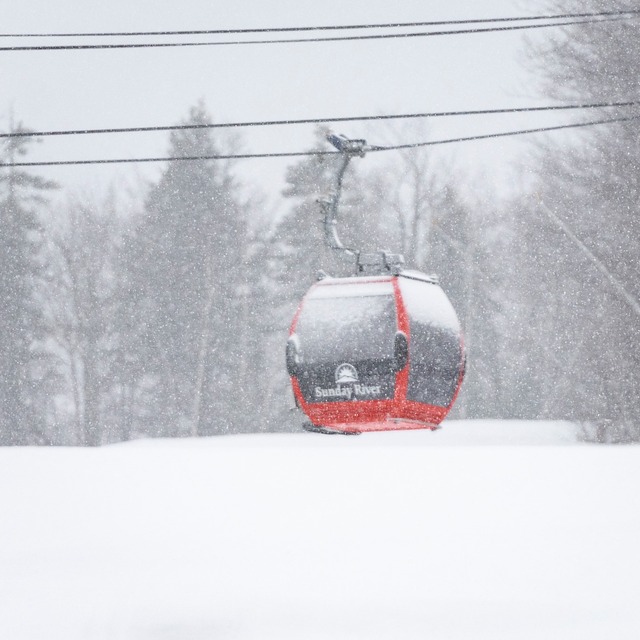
{"points": [[20, 192], [185, 270]]}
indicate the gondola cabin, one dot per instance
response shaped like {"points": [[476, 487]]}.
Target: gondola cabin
{"points": [[375, 353]]}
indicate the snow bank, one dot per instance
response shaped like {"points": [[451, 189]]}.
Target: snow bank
{"points": [[308, 536]]}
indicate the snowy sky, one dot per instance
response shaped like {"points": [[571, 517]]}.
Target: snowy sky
{"points": [[78, 89]]}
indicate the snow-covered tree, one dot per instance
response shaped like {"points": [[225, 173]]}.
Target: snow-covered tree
{"points": [[80, 304], [20, 267], [185, 279], [581, 331]]}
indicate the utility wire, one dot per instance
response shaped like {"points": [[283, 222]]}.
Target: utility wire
{"points": [[383, 36], [391, 25], [615, 283], [267, 123], [295, 154], [504, 134]]}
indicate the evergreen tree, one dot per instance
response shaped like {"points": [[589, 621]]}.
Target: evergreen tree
{"points": [[20, 192], [185, 271]]}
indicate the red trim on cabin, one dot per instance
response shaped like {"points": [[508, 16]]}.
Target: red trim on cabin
{"points": [[402, 377]]}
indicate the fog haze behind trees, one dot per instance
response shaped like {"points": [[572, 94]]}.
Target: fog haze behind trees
{"points": [[584, 336], [172, 321]]}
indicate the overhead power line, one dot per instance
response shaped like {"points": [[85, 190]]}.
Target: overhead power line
{"points": [[340, 27], [295, 154], [505, 134], [379, 36], [268, 123]]}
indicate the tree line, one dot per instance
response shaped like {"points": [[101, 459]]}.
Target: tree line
{"points": [[172, 321]]}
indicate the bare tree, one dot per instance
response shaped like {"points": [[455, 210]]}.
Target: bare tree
{"points": [[80, 303], [586, 366]]}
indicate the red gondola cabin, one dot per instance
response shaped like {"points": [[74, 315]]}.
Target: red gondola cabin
{"points": [[375, 353]]}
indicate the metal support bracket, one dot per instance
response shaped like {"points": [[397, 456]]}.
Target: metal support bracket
{"points": [[379, 263], [348, 149]]}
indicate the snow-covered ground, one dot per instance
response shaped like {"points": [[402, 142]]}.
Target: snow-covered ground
{"points": [[307, 536]]}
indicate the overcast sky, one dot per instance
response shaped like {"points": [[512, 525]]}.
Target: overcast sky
{"points": [[78, 89]]}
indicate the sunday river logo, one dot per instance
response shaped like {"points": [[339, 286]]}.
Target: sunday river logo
{"points": [[347, 375]]}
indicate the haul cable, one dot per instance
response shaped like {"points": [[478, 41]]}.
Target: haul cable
{"points": [[380, 36], [347, 27], [294, 154], [269, 123]]}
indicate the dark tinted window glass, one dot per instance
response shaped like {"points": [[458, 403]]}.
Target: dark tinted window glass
{"points": [[347, 327], [352, 324], [434, 344]]}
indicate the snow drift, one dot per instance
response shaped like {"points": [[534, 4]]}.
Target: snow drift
{"points": [[307, 536]]}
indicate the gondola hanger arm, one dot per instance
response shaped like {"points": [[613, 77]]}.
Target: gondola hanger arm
{"points": [[381, 262], [348, 148]]}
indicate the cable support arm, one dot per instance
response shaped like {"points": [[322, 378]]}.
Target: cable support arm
{"points": [[348, 149]]}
